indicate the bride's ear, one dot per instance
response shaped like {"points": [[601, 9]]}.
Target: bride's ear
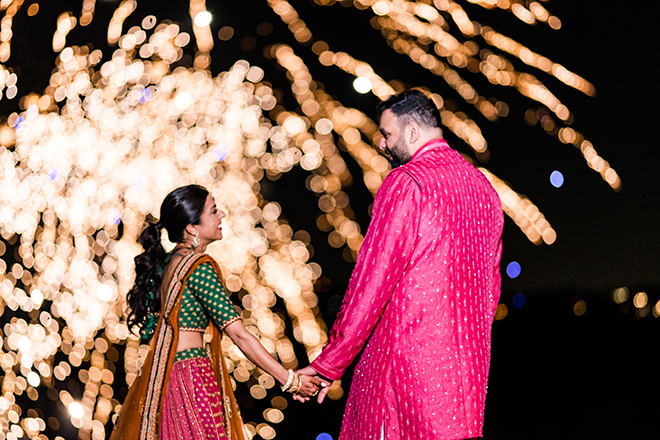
{"points": [[191, 230]]}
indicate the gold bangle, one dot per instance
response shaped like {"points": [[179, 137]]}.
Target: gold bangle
{"points": [[298, 385], [289, 382]]}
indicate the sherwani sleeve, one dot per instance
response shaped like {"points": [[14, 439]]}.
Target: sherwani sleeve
{"points": [[497, 279], [381, 262]]}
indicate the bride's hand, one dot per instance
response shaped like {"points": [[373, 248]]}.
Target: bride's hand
{"points": [[310, 385]]}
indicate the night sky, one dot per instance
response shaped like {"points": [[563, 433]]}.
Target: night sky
{"points": [[606, 239]]}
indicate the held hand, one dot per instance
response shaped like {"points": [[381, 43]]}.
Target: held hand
{"points": [[310, 385], [322, 394], [324, 383]]}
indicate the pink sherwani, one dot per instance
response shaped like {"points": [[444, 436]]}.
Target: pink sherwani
{"points": [[423, 293]]}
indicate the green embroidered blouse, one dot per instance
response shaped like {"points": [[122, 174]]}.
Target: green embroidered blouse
{"points": [[204, 297]]}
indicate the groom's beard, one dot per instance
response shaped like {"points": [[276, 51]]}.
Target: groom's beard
{"points": [[399, 154]]}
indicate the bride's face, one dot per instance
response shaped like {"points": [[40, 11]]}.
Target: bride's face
{"points": [[209, 228]]}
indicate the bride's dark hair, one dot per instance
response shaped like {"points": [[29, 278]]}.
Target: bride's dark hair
{"points": [[181, 207]]}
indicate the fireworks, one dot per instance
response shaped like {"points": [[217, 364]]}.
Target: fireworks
{"points": [[78, 187], [90, 160]]}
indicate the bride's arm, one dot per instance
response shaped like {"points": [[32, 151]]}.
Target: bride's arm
{"points": [[255, 352]]}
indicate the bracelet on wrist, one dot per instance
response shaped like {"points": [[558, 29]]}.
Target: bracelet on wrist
{"points": [[298, 385], [289, 382]]}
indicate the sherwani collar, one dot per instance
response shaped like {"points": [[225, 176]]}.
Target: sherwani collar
{"points": [[433, 144]]}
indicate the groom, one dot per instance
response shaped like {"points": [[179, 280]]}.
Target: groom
{"points": [[423, 292]]}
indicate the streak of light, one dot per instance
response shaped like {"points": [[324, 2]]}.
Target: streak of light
{"points": [[523, 212], [11, 8], [126, 8], [400, 22], [533, 59], [65, 23], [291, 18], [74, 176], [535, 12], [405, 45], [519, 208], [87, 13], [203, 35], [330, 173]]}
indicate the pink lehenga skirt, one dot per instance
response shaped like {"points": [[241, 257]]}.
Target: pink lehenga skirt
{"points": [[193, 403]]}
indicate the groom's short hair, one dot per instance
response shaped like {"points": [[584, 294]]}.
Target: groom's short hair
{"points": [[411, 106]]}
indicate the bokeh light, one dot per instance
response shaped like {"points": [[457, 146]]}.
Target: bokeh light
{"points": [[203, 18], [76, 410], [556, 179], [580, 308], [519, 300], [640, 300], [620, 295], [79, 192], [501, 312], [89, 160], [362, 84], [513, 269]]}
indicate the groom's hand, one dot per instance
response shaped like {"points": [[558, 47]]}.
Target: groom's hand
{"points": [[325, 382]]}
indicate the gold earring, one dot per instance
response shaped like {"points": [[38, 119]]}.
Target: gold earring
{"points": [[195, 242]]}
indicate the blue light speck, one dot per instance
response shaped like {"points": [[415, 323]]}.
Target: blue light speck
{"points": [[519, 300], [19, 122], [513, 269], [54, 174], [556, 179], [145, 96], [115, 216], [220, 153]]}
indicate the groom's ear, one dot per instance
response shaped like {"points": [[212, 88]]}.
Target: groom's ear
{"points": [[413, 132]]}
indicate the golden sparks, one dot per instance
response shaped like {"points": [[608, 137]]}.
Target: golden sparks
{"points": [[80, 184], [91, 158]]}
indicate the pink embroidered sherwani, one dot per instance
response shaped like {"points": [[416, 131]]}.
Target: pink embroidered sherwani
{"points": [[423, 293]]}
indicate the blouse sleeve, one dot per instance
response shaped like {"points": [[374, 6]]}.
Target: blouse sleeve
{"points": [[207, 287]]}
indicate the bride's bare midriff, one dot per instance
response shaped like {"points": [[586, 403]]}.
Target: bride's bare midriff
{"points": [[190, 340]]}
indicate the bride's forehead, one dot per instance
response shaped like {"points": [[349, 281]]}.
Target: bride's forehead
{"points": [[210, 202]]}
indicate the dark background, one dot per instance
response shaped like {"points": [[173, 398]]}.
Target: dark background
{"points": [[553, 374]]}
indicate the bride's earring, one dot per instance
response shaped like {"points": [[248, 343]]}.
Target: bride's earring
{"points": [[195, 242]]}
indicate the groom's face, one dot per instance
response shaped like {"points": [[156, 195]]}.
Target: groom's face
{"points": [[393, 142]]}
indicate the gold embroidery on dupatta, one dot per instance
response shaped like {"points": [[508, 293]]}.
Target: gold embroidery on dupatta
{"points": [[162, 349]]}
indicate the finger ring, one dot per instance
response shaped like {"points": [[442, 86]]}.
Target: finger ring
{"points": [[315, 393]]}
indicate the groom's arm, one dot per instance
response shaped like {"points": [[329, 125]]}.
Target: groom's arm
{"points": [[382, 260]]}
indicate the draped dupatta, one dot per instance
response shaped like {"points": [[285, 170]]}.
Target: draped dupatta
{"points": [[139, 417]]}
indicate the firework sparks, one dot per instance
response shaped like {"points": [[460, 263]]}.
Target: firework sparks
{"points": [[81, 184], [89, 160], [412, 28]]}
